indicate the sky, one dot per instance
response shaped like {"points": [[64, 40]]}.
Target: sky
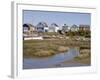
{"points": [[60, 18]]}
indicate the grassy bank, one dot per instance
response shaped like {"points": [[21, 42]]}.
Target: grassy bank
{"points": [[44, 48], [85, 55]]}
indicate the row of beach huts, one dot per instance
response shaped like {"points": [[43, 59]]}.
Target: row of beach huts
{"points": [[32, 32]]}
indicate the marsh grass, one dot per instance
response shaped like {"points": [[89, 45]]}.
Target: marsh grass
{"points": [[85, 55], [45, 48]]}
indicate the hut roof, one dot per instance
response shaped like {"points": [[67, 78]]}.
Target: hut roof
{"points": [[42, 24]]}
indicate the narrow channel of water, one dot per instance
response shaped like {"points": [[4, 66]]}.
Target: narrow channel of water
{"points": [[31, 63]]}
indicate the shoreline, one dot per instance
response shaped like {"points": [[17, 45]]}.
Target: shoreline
{"points": [[71, 63], [45, 48]]}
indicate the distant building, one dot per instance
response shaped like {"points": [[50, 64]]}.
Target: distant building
{"points": [[53, 28], [65, 28], [84, 27], [42, 27], [74, 28], [28, 29]]}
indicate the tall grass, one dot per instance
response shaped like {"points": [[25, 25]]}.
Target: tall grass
{"points": [[43, 48]]}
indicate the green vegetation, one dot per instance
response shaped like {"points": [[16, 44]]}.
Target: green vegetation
{"points": [[44, 48], [86, 34], [50, 33], [55, 43], [85, 55]]}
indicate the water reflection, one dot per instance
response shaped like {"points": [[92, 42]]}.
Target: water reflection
{"points": [[31, 63]]}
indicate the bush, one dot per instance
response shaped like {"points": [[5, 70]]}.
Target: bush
{"points": [[43, 53]]}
